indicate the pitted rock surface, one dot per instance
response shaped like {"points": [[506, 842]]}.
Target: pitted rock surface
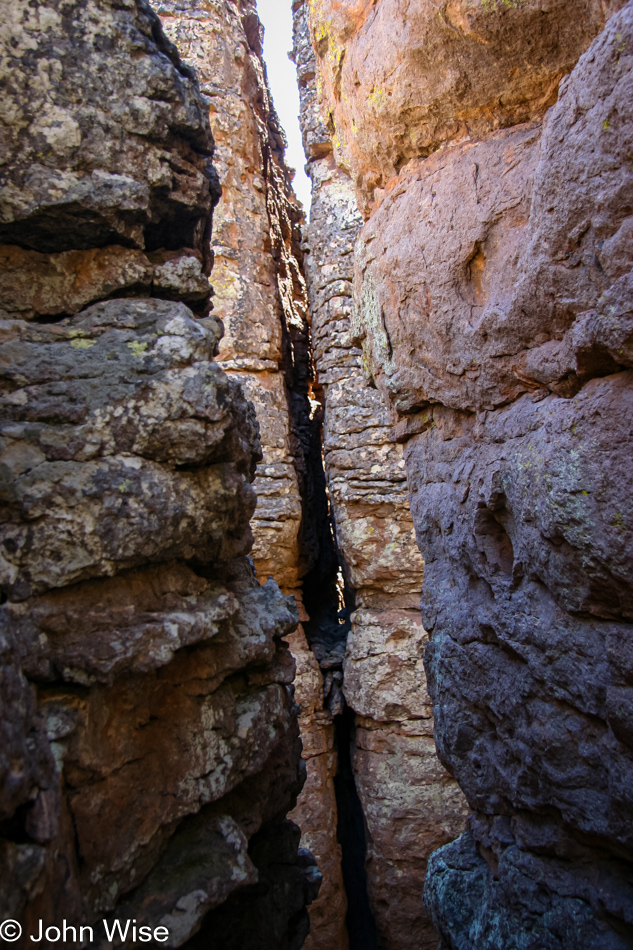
{"points": [[492, 301], [410, 803], [497, 325], [150, 735], [397, 80], [84, 165], [260, 296], [113, 418]]}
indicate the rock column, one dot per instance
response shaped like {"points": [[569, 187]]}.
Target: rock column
{"points": [[260, 296], [489, 145], [150, 748], [411, 805]]}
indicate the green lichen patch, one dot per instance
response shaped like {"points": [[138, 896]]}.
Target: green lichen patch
{"points": [[138, 349]]}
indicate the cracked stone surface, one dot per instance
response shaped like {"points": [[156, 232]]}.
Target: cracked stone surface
{"points": [[149, 731], [410, 803], [260, 296], [514, 415]]}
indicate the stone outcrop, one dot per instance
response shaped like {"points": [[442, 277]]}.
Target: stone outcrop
{"points": [[150, 749], [411, 805], [466, 277], [493, 299], [261, 298], [396, 80]]}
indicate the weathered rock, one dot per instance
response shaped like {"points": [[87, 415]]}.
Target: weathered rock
{"points": [[55, 285], [410, 803], [259, 293], [272, 914], [396, 80], [112, 418], [149, 728], [474, 284], [494, 297], [83, 171], [530, 900], [316, 810], [449, 298]]}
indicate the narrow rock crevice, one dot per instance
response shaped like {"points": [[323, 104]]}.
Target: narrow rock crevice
{"points": [[489, 300], [149, 749], [408, 804], [352, 834], [330, 603], [260, 296]]}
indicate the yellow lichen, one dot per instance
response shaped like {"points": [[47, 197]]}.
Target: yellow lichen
{"points": [[138, 349]]}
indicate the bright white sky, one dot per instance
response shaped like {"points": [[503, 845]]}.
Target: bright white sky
{"points": [[276, 15]]}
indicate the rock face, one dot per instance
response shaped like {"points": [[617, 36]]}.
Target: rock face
{"points": [[261, 298], [150, 749], [398, 79], [411, 805], [493, 297]]}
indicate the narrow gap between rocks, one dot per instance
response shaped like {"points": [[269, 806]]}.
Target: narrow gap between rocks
{"points": [[351, 835], [329, 603]]}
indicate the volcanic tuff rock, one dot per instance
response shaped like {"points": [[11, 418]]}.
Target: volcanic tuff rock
{"points": [[395, 79], [493, 296], [410, 803], [150, 748], [260, 296]]}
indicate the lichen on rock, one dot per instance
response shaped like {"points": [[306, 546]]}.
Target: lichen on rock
{"points": [[150, 738], [488, 146]]}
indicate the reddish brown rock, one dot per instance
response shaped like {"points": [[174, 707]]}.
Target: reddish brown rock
{"points": [[316, 811], [396, 80], [384, 683], [260, 295], [410, 803], [514, 412], [492, 297], [55, 285]]}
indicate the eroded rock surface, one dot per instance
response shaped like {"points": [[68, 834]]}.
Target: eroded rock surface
{"points": [[493, 295], [410, 803], [150, 748], [260, 296], [397, 79]]}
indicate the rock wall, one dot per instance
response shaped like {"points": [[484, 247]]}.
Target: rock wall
{"points": [[411, 805], [261, 298], [150, 749], [492, 290]]}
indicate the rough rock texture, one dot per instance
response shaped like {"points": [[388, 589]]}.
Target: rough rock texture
{"points": [[410, 803], [259, 291], [398, 79], [493, 294], [87, 176], [316, 810], [260, 296], [149, 733]]}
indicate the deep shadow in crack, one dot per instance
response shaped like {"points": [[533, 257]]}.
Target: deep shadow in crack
{"points": [[351, 835]]}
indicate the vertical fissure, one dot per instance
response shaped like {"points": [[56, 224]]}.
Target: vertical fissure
{"points": [[329, 603], [352, 835]]}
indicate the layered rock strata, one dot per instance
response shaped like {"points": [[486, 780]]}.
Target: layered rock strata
{"points": [[493, 299], [150, 749], [260, 296], [411, 805]]}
